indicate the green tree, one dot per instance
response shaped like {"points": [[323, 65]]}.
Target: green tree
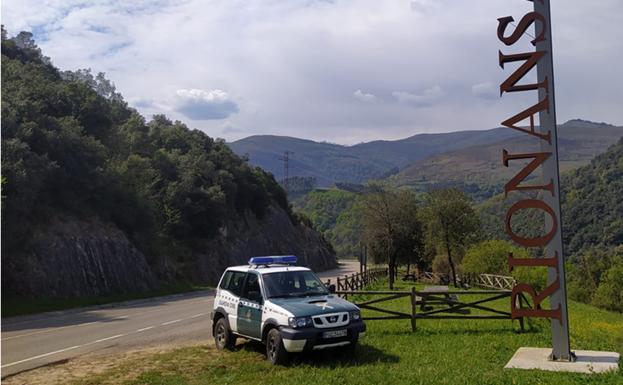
{"points": [[335, 213], [609, 294], [452, 223], [392, 229]]}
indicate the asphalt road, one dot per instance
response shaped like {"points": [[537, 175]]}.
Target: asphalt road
{"points": [[33, 341]]}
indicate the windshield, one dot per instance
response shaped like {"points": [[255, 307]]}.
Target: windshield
{"points": [[293, 284]]}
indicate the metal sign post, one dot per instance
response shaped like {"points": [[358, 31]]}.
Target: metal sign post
{"points": [[547, 123], [548, 201], [544, 197]]}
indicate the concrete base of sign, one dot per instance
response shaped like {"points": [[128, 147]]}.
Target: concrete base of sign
{"points": [[588, 361]]}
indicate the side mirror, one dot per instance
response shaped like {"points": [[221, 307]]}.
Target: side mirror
{"points": [[331, 288]]}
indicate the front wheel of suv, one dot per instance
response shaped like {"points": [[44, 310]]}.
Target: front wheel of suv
{"points": [[275, 351], [223, 338]]}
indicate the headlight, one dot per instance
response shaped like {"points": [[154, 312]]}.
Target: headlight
{"points": [[300, 322], [355, 315]]}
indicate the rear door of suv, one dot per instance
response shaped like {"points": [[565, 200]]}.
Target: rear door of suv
{"points": [[229, 297]]}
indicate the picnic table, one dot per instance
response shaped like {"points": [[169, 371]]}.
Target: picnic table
{"points": [[426, 300]]}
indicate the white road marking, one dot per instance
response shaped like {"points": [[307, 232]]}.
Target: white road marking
{"points": [[126, 316], [47, 331], [62, 350], [41, 356], [198, 298], [92, 342], [105, 339]]}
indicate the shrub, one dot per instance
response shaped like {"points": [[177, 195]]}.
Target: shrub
{"points": [[490, 257], [609, 294]]}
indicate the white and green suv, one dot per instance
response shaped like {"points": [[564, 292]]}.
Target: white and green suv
{"points": [[286, 307]]}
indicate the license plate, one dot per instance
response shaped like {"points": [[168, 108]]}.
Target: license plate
{"points": [[335, 333]]}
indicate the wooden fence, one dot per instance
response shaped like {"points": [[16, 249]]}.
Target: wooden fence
{"points": [[438, 305], [488, 281], [358, 281], [493, 281]]}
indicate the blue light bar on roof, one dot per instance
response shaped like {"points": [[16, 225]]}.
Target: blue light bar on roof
{"points": [[285, 259]]}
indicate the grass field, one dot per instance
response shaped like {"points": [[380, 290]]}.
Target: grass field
{"points": [[440, 352]]}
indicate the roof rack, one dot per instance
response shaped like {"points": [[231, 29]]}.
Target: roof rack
{"points": [[273, 260]]}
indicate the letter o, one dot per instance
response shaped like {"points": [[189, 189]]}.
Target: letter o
{"points": [[531, 204]]}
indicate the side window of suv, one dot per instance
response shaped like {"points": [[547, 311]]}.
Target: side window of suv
{"points": [[226, 280], [252, 288], [235, 283]]}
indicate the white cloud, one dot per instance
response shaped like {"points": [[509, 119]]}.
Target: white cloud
{"points": [[365, 97], [422, 99], [485, 91], [204, 104], [293, 65]]}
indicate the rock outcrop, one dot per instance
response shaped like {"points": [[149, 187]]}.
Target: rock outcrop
{"points": [[274, 234], [76, 258], [71, 258]]}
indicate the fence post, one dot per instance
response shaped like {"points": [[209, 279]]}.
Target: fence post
{"points": [[413, 307]]}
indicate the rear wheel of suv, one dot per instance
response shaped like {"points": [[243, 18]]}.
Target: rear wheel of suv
{"points": [[275, 351], [223, 337]]}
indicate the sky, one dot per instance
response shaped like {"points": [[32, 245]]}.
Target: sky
{"points": [[340, 71]]}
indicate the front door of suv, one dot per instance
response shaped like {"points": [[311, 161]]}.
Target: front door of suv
{"points": [[250, 307]]}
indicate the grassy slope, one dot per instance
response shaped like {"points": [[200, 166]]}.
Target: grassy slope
{"points": [[446, 352]]}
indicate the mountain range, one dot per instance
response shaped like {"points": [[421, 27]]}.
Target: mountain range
{"points": [[470, 160]]}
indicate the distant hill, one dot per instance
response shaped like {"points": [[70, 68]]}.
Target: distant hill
{"points": [[470, 160], [478, 169], [331, 163]]}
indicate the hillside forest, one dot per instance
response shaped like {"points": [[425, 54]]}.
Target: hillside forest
{"points": [[90, 187]]}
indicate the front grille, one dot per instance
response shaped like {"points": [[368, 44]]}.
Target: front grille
{"points": [[331, 320]]}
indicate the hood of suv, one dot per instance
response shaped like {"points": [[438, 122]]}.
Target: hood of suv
{"points": [[314, 305]]}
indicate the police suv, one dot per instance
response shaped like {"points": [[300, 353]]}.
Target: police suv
{"points": [[284, 306]]}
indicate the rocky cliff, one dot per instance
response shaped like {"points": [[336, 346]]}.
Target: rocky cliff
{"points": [[274, 234], [77, 258], [70, 257]]}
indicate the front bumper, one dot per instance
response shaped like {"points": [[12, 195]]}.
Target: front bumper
{"points": [[306, 339]]}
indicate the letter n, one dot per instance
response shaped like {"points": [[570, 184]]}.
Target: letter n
{"points": [[531, 60], [537, 159]]}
